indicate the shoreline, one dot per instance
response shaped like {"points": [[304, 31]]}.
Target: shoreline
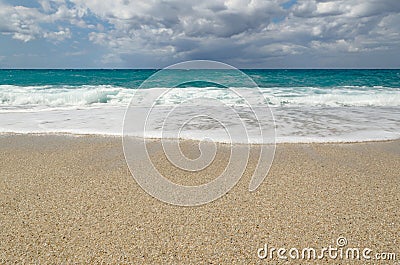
{"points": [[113, 136], [73, 200]]}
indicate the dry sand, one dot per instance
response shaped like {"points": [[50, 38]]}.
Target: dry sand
{"points": [[67, 199]]}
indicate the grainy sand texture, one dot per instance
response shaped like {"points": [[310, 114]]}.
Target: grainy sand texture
{"points": [[66, 199]]}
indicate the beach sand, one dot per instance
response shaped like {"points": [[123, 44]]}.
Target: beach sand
{"points": [[67, 199]]}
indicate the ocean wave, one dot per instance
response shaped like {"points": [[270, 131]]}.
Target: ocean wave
{"points": [[41, 97], [64, 96], [339, 100]]}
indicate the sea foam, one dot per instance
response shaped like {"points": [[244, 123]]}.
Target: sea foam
{"points": [[302, 114], [41, 97]]}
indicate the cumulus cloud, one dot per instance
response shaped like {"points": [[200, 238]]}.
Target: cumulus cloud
{"points": [[20, 22], [181, 29], [249, 31], [341, 25], [27, 23]]}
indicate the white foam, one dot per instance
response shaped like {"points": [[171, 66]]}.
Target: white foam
{"points": [[333, 97], [18, 98], [44, 97], [292, 124], [301, 114]]}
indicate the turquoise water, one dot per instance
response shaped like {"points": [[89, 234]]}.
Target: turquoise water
{"points": [[264, 78]]}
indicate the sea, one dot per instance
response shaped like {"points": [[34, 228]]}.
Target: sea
{"points": [[306, 105]]}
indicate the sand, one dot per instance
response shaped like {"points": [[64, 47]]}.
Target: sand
{"points": [[66, 199]]}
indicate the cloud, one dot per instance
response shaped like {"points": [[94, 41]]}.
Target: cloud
{"points": [[221, 29], [62, 34], [180, 29], [236, 31], [28, 23], [345, 26], [20, 22]]}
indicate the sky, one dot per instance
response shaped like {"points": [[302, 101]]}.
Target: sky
{"points": [[243, 33]]}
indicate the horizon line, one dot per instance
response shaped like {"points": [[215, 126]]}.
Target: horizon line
{"points": [[311, 68]]}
